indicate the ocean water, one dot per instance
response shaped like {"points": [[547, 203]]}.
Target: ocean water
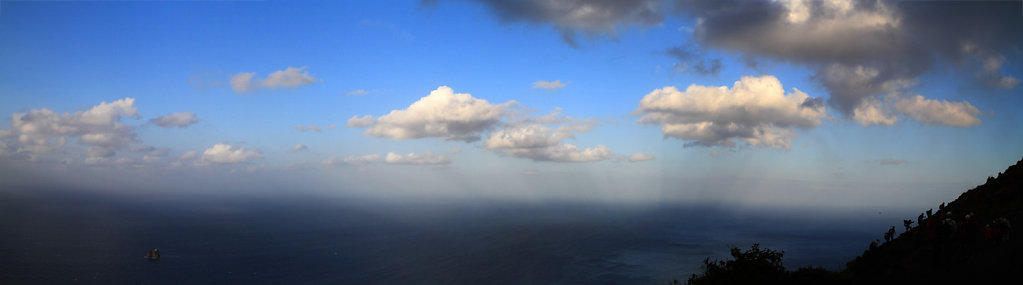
{"points": [[79, 238]]}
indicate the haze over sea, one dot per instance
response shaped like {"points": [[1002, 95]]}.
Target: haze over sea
{"points": [[65, 238]]}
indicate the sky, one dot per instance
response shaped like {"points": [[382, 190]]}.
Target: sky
{"points": [[836, 103]]}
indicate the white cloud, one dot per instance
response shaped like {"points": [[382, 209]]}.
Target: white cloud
{"points": [[98, 127], [526, 136], [352, 160], [637, 157], [298, 147], [461, 117], [871, 112], [369, 158], [958, 114], [222, 153], [425, 158], [563, 152], [543, 84], [242, 82], [180, 120], [290, 77], [755, 110], [442, 114], [361, 122], [541, 143]]}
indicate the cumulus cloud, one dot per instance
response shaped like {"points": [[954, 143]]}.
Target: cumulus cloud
{"points": [[543, 84], [526, 136], [755, 110], [290, 77], [352, 160], [223, 153], [461, 117], [361, 122], [542, 143], [872, 112], [569, 17], [243, 83], [424, 158], [298, 147], [180, 120], [442, 114], [955, 114], [42, 130], [863, 49]]}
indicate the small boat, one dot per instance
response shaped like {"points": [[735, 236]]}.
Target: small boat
{"points": [[153, 254]]}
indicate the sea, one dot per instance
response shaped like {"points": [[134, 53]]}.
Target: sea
{"points": [[81, 238]]}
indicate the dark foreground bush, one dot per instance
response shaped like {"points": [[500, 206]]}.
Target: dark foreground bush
{"points": [[759, 266]]}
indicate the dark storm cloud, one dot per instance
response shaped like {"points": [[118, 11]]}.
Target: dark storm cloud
{"points": [[978, 33], [861, 49], [589, 17]]}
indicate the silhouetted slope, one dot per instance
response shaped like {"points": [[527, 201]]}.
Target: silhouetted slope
{"points": [[936, 251]]}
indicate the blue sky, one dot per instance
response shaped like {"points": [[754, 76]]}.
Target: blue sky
{"points": [[219, 96]]}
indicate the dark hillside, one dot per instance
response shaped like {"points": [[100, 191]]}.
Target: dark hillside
{"points": [[968, 241], [971, 239]]}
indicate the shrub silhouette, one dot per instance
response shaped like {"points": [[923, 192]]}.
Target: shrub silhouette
{"points": [[759, 266]]}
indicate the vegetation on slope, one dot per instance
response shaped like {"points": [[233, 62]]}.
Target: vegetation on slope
{"points": [[969, 241]]}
